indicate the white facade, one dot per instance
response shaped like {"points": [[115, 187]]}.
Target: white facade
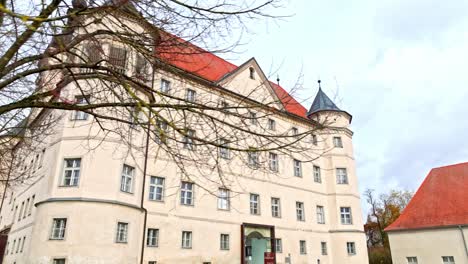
{"points": [[99, 219]]}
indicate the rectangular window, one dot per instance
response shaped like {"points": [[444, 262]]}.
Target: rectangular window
{"points": [[152, 237], [71, 172], [26, 208], [80, 101], [224, 242], [186, 239], [253, 158], [224, 149], [300, 215], [186, 193], [59, 226], [19, 244], [302, 247], [323, 246], [254, 204], [278, 245], [224, 106], [126, 180], [317, 174], [223, 199], [32, 205], [351, 248], [59, 261], [412, 260], [320, 215], [188, 139], [337, 142], [22, 245], [273, 161], [448, 260], [156, 191], [93, 53], [21, 211], [191, 95], [297, 168], [13, 247], [253, 118], [341, 176], [314, 140], [161, 131], [271, 124], [345, 214], [294, 131], [14, 213], [275, 207], [165, 86], [118, 59], [122, 232], [141, 67]]}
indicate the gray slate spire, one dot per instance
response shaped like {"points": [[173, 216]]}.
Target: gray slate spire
{"points": [[322, 102]]}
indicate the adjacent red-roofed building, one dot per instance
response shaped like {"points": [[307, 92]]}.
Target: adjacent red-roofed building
{"points": [[433, 228]]}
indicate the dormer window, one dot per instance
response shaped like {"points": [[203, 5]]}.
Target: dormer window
{"points": [[252, 73]]}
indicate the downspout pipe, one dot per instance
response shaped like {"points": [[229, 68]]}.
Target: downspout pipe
{"points": [[464, 240]]}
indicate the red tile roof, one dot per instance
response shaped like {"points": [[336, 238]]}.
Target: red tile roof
{"points": [[442, 200], [193, 59]]}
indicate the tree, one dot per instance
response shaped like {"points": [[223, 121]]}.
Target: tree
{"points": [[384, 210], [110, 51]]}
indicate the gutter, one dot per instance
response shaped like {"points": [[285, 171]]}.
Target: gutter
{"points": [[464, 241]]}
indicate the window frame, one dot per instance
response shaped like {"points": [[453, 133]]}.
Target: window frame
{"points": [[320, 211], [253, 202], [154, 238], [187, 236], [300, 211], [344, 214], [118, 235], [74, 171], [412, 260], [125, 176], [190, 95], [62, 228], [81, 100], [271, 124], [302, 247], [317, 174], [323, 248], [226, 199], [351, 248], [224, 151], [165, 86], [224, 242], [273, 161], [340, 177], [278, 205], [337, 142], [448, 259], [297, 168], [253, 159], [278, 246], [184, 192], [189, 139], [152, 195]]}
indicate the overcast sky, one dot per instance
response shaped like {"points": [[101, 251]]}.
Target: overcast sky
{"points": [[399, 67]]}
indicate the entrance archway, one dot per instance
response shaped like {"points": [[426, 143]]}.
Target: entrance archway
{"points": [[257, 242]]}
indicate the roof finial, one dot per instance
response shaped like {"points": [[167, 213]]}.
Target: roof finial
{"points": [[277, 79], [319, 81]]}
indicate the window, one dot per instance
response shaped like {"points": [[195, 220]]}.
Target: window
{"points": [[337, 142], [135, 113], [294, 131], [13, 247], [26, 208], [141, 67], [118, 59], [297, 168], [224, 106], [300, 211], [156, 191], [22, 245], [412, 260], [320, 215], [152, 237], [41, 160], [79, 101], [18, 246], [273, 161], [188, 139], [351, 247], [254, 204], [341, 176], [302, 247], [71, 172], [126, 181], [32, 204], [191, 95], [21, 211], [186, 193], [323, 246], [59, 261], [252, 156], [93, 53], [317, 174], [345, 214], [186, 239], [253, 118], [271, 124], [14, 213], [224, 242], [448, 260], [252, 73], [161, 131], [6, 248], [314, 140], [278, 245], [122, 232], [165, 86], [224, 149], [275, 207], [152, 262], [58, 228], [223, 199]]}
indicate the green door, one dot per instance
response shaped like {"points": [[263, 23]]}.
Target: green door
{"points": [[259, 247]]}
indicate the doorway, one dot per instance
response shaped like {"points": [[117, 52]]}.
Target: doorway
{"points": [[257, 242]]}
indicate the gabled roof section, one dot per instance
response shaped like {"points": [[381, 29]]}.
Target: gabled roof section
{"points": [[442, 200], [322, 103], [195, 60]]}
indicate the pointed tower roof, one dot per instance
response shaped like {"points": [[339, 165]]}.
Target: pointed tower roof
{"points": [[322, 102]]}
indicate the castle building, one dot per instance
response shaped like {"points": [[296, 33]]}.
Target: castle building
{"points": [[93, 198], [433, 227]]}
